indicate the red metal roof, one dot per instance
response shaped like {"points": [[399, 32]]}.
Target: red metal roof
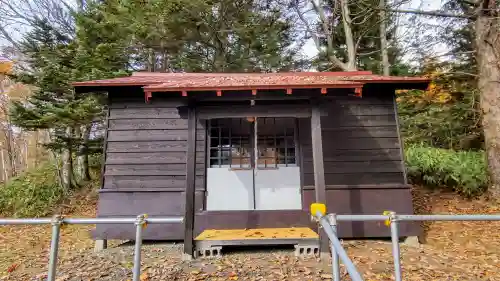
{"points": [[240, 81], [258, 82]]}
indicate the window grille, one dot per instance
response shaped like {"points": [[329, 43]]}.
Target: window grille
{"points": [[233, 142]]}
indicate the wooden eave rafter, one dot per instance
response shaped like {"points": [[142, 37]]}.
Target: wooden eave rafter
{"points": [[357, 86]]}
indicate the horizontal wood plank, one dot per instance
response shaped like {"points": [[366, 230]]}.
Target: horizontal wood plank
{"points": [[361, 109], [147, 112], [382, 186], [139, 103], [356, 167], [367, 201], [151, 135], [251, 219], [151, 170], [149, 124], [151, 203], [117, 182], [156, 232], [357, 178], [152, 146], [388, 100], [332, 145], [351, 155], [150, 158], [337, 121], [339, 133], [234, 111], [123, 190]]}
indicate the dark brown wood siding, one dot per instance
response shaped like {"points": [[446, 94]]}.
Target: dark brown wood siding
{"points": [[145, 164], [360, 142], [147, 146], [146, 157]]}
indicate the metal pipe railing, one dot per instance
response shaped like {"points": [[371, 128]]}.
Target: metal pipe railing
{"points": [[396, 253], [329, 224], [338, 249], [332, 220], [495, 217], [57, 221], [392, 220]]}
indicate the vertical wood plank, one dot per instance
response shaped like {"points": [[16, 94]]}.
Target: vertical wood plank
{"points": [[299, 159], [401, 144], [317, 151], [319, 171], [105, 145], [190, 184]]}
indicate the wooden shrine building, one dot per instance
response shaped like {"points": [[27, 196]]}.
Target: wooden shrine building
{"points": [[238, 152]]}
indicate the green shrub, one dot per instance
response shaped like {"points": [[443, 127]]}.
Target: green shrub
{"points": [[462, 171], [32, 194]]}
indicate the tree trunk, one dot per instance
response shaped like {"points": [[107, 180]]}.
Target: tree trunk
{"points": [[318, 6], [67, 164], [383, 38], [5, 177], [11, 149], [151, 60], [488, 48], [349, 38], [83, 155]]}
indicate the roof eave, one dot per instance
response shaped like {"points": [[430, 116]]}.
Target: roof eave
{"points": [[257, 87]]}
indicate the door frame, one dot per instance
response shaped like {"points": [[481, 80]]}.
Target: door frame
{"points": [[253, 158]]}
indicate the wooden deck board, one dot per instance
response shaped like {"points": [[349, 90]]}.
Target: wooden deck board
{"points": [[257, 233]]}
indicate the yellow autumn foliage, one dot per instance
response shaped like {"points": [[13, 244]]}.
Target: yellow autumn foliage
{"points": [[6, 67], [437, 92], [25, 145]]}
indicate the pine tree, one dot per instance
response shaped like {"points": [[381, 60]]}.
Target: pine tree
{"points": [[55, 106], [205, 36], [102, 52]]}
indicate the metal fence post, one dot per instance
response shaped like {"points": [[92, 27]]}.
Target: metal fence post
{"points": [[395, 246], [140, 224], [351, 268], [332, 219], [54, 247]]}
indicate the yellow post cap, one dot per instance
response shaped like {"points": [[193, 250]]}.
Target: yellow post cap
{"points": [[388, 221], [145, 223], [315, 207]]}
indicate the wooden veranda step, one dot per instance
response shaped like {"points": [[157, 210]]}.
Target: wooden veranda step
{"points": [[257, 236]]}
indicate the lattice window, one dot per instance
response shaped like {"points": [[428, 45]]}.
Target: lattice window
{"points": [[232, 143], [276, 142]]}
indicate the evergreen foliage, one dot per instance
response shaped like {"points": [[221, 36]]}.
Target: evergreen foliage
{"points": [[115, 37], [462, 171]]}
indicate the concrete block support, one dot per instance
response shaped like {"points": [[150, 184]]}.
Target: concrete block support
{"points": [[100, 244]]}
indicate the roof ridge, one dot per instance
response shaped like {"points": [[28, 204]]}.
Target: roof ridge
{"points": [[219, 74]]}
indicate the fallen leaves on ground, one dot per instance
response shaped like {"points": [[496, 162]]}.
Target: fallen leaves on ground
{"points": [[454, 251]]}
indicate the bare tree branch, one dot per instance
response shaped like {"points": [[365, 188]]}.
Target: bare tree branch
{"points": [[328, 33], [17, 17], [7, 36], [349, 39], [306, 24], [431, 13], [369, 53]]}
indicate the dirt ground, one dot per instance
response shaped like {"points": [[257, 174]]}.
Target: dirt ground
{"points": [[453, 251]]}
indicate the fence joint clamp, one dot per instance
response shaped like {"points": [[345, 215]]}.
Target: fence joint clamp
{"points": [[332, 219], [391, 216], [142, 220], [57, 220]]}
